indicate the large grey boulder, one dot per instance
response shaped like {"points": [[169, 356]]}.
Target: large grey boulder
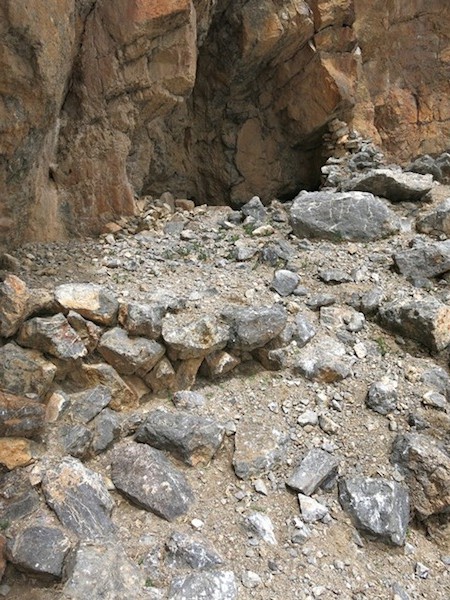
{"points": [[376, 506], [79, 498], [395, 185], [426, 320], [52, 335], [24, 371], [427, 468], [316, 468], [211, 585], [146, 477], [424, 261], [192, 439], [89, 300], [346, 216], [142, 319], [194, 338], [253, 328], [129, 355]]}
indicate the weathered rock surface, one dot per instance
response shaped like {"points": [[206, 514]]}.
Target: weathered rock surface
{"points": [[316, 468], [17, 452], [147, 478], [20, 416], [377, 506], [89, 300], [253, 328], [86, 405], [216, 585], [192, 439], [185, 551], [261, 526], [284, 282], [14, 298], [18, 498], [323, 360], [382, 396], [436, 221], [79, 498], [311, 510], [424, 260], [427, 467], [52, 335], [425, 320], [129, 355], [194, 339], [351, 216], [396, 186], [24, 371], [142, 319], [101, 569]]}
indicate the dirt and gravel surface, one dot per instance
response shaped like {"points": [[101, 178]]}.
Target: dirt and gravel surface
{"points": [[198, 263]]}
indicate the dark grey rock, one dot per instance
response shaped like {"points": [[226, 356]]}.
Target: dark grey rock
{"points": [[368, 302], [253, 328], [211, 585], [147, 478], [39, 550], [105, 429], [376, 506], [192, 439], [258, 448], [396, 186], [75, 439], [334, 276], [188, 400], [437, 220], [427, 469], [424, 261], [142, 319], [317, 301], [254, 208], [316, 468], [79, 498], [194, 338], [184, 551], [426, 165], [443, 164], [24, 371], [18, 498], [86, 405], [101, 569], [426, 321], [284, 282], [129, 355], [382, 396], [348, 216], [438, 379], [89, 300], [52, 335]]}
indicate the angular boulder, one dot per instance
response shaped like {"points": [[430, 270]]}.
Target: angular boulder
{"points": [[89, 300], [395, 185], [253, 328], [184, 551], [346, 216], [142, 319], [195, 338], [424, 261], [24, 371], [316, 468], [129, 355], [14, 298], [52, 335], [20, 417], [437, 220], [122, 396]]}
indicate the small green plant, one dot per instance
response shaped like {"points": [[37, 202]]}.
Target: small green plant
{"points": [[149, 582], [4, 524], [382, 346], [248, 228]]}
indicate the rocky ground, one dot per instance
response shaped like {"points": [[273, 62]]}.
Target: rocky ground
{"points": [[311, 458]]}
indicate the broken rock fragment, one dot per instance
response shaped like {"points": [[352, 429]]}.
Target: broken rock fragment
{"points": [[20, 417], [52, 335], [395, 185], [316, 468], [89, 300], [214, 585], [129, 355], [14, 297], [194, 339], [143, 319], [184, 551], [253, 328], [24, 371]]}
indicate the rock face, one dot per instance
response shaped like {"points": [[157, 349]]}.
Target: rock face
{"points": [[221, 99]]}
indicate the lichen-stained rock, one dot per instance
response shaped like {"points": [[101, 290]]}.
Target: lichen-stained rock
{"points": [[79, 498], [14, 297], [195, 338], [91, 301], [39, 549], [214, 585], [148, 479], [427, 469], [16, 452], [192, 439], [142, 319], [101, 569], [122, 396], [20, 417], [426, 320], [436, 221], [344, 216], [396, 186], [376, 506], [24, 371], [253, 328], [129, 355], [258, 448], [424, 260], [52, 335]]}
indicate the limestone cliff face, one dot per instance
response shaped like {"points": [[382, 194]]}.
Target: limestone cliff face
{"points": [[217, 100]]}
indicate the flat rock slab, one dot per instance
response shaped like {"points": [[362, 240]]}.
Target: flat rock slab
{"points": [[396, 186], [129, 355], [347, 216], [142, 319], [215, 585], [427, 467], [426, 321], [14, 298], [79, 498], [258, 448], [24, 371], [20, 417], [192, 439], [86, 405], [195, 338], [316, 468], [39, 550], [146, 477], [184, 551], [89, 300], [101, 569], [253, 328], [376, 506], [52, 335]]}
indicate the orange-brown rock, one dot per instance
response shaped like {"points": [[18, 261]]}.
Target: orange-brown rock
{"points": [[16, 452], [20, 416]]}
